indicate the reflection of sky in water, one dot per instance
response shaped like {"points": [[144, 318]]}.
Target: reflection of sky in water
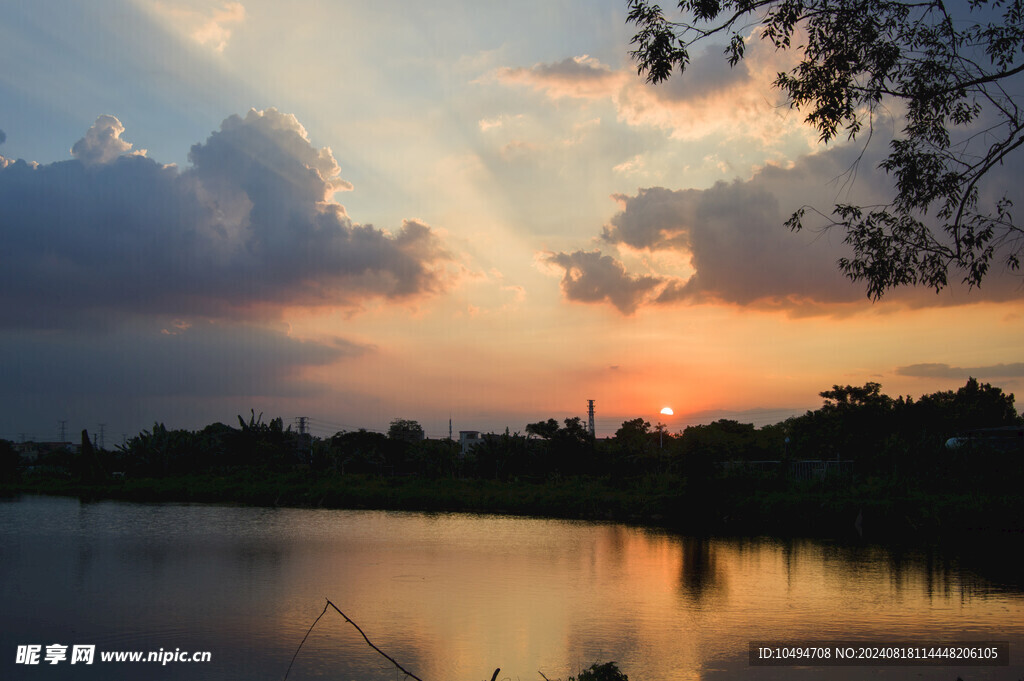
{"points": [[452, 597]]}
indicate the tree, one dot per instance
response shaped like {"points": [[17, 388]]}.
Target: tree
{"points": [[406, 430], [362, 451], [10, 461], [632, 436], [850, 397], [953, 73], [636, 446], [975, 405], [724, 440], [543, 429]]}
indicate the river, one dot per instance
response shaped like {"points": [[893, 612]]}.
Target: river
{"points": [[451, 597]]}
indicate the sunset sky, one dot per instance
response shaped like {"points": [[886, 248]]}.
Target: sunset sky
{"points": [[360, 211]]}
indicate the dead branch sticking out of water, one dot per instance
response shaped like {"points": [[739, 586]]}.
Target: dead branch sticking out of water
{"points": [[388, 657]]}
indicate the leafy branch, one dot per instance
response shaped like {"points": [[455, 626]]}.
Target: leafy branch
{"points": [[958, 77]]}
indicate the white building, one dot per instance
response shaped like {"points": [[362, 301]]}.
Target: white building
{"points": [[467, 439]]}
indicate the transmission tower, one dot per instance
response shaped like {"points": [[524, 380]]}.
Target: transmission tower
{"points": [[305, 441], [590, 414]]}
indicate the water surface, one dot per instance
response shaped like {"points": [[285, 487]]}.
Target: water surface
{"points": [[452, 596]]}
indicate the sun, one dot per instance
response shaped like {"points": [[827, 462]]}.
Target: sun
{"points": [[667, 411]]}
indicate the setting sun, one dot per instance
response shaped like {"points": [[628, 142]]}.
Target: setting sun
{"points": [[667, 411]]}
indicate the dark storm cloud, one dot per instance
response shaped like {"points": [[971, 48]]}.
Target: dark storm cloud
{"points": [[251, 225], [1015, 370]]}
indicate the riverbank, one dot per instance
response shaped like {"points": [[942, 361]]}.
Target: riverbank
{"points": [[733, 506]]}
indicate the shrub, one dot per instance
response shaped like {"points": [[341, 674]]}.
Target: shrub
{"points": [[601, 672]]}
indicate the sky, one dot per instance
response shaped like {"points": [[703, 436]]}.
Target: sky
{"points": [[465, 211]]}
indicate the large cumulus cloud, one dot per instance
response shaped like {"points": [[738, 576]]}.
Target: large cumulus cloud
{"points": [[102, 142], [734, 237], [251, 225], [145, 291]]}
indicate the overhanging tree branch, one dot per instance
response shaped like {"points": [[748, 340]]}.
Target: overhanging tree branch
{"points": [[953, 72]]}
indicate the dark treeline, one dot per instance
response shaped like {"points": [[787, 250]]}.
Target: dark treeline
{"points": [[963, 442]]}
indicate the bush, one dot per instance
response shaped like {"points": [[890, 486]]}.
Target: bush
{"points": [[601, 672]]}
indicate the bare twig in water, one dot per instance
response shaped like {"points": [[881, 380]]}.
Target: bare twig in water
{"points": [[289, 670], [389, 658], [542, 676], [495, 674]]}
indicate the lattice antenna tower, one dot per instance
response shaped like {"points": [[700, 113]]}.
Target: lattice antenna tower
{"points": [[590, 414]]}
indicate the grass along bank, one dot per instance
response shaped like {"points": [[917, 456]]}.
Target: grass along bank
{"points": [[878, 507]]}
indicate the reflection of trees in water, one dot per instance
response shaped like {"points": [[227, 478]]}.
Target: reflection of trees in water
{"points": [[699, 576], [989, 557], [963, 569]]}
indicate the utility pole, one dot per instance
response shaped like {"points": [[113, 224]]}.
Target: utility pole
{"points": [[102, 426], [62, 426], [590, 413]]}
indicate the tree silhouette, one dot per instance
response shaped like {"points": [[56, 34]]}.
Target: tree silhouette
{"points": [[953, 69], [543, 429], [406, 430]]}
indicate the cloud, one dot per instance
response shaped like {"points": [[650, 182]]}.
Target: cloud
{"points": [[102, 142], [734, 235], [498, 122], [207, 359], [590, 277], [249, 228], [735, 240], [710, 98], [631, 166], [713, 99], [208, 26], [579, 77], [1014, 370]]}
